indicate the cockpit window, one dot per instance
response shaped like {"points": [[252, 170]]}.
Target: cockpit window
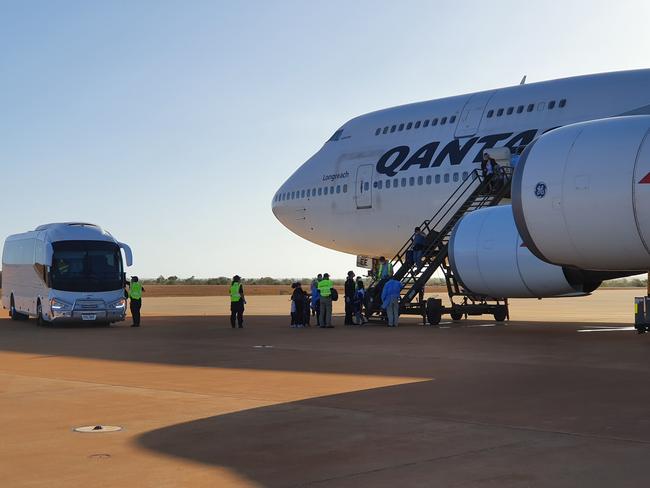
{"points": [[336, 136]]}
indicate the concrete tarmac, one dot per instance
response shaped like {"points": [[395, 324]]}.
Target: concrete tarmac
{"points": [[527, 404]]}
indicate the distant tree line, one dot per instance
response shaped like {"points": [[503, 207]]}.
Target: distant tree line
{"points": [[626, 283], [265, 280], [226, 280]]}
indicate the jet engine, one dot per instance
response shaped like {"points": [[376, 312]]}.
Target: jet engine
{"points": [[489, 258], [581, 195]]}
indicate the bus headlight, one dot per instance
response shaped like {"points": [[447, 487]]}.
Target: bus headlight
{"points": [[119, 304], [59, 305]]}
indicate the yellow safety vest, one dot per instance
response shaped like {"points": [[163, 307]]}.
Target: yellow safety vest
{"points": [[325, 287], [234, 292], [135, 290], [381, 269]]}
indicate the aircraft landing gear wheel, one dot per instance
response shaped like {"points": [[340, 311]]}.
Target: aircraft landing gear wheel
{"points": [[456, 316], [500, 314], [434, 311]]}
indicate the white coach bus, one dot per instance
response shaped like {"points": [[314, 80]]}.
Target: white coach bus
{"points": [[65, 272]]}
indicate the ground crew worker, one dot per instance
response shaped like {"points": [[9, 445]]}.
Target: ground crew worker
{"points": [[385, 270], [384, 273], [135, 294], [325, 291], [350, 291], [237, 302]]}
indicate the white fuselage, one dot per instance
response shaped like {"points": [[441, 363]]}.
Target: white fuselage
{"points": [[424, 160]]}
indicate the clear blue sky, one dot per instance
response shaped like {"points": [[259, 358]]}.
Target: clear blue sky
{"points": [[172, 123]]}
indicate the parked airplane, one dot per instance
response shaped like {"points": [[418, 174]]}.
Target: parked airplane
{"points": [[580, 195]]}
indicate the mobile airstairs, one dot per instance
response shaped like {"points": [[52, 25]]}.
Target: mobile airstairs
{"points": [[476, 191]]}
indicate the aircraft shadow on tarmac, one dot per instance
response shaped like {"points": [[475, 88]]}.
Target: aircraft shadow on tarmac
{"points": [[520, 429]]}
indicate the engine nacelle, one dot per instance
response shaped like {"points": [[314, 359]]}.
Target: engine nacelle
{"points": [[489, 258], [581, 195]]}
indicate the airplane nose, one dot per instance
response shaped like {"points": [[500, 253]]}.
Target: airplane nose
{"points": [[275, 206], [290, 208]]}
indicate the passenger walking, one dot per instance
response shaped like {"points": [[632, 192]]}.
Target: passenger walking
{"points": [[297, 306], [359, 298], [135, 294], [484, 165], [418, 246], [305, 307], [390, 297], [350, 290], [237, 302], [325, 290], [491, 166], [497, 175], [315, 298]]}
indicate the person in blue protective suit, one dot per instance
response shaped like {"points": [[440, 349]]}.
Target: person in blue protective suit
{"points": [[390, 297]]}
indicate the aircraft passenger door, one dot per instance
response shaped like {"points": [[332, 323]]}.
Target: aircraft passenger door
{"points": [[470, 118], [363, 192]]}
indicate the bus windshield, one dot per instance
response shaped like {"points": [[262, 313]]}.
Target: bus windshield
{"points": [[86, 266]]}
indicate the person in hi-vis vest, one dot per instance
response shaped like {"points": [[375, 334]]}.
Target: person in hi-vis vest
{"points": [[237, 302], [135, 294]]}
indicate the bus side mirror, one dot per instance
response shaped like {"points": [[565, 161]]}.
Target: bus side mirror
{"points": [[127, 253]]}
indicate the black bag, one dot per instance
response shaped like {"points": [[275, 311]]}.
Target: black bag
{"points": [[334, 295]]}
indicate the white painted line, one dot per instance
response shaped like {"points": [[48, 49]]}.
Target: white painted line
{"points": [[445, 323], [610, 329], [482, 325], [598, 327]]}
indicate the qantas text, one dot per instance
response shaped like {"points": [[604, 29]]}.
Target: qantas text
{"points": [[397, 159]]}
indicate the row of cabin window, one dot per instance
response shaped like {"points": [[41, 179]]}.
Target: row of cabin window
{"points": [[379, 185], [529, 108], [420, 180], [414, 125], [311, 192]]}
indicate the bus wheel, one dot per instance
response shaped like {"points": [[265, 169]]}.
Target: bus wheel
{"points": [[12, 309], [39, 314], [15, 315]]}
